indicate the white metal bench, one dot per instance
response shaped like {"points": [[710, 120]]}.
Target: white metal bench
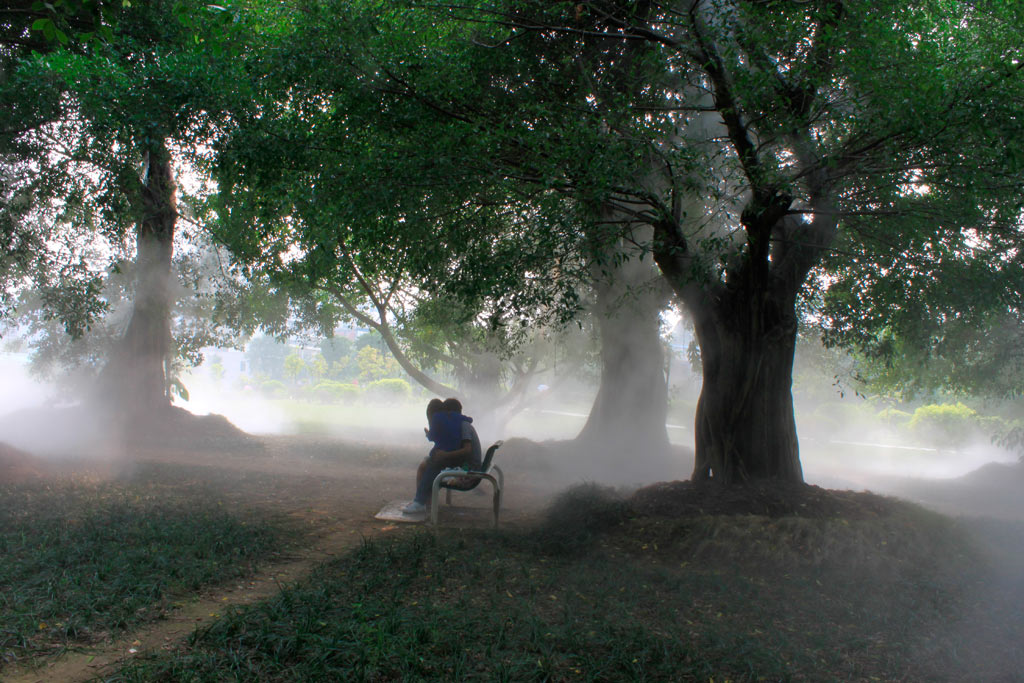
{"points": [[467, 480]]}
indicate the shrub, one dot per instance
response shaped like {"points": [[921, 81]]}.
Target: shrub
{"points": [[330, 391], [949, 424], [274, 388], [389, 389], [894, 417]]}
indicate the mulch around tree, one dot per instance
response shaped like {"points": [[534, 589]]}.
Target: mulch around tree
{"points": [[71, 431], [17, 466], [175, 427], [768, 498]]}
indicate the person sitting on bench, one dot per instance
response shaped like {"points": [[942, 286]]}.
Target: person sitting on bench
{"points": [[465, 452], [444, 428]]}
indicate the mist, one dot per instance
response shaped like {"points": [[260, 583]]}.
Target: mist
{"points": [[19, 389], [27, 423], [843, 444]]}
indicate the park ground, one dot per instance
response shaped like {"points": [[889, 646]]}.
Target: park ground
{"points": [[223, 556]]}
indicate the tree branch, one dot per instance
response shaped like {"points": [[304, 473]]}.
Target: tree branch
{"points": [[384, 329]]}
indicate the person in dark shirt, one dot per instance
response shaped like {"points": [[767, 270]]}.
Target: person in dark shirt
{"points": [[456, 444], [444, 427]]}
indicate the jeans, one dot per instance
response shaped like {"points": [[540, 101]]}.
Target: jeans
{"points": [[426, 485]]}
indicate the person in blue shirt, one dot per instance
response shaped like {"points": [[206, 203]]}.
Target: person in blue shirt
{"points": [[445, 426], [456, 444]]}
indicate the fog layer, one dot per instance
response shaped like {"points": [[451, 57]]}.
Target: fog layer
{"points": [[842, 445]]}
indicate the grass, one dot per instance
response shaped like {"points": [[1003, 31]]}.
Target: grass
{"points": [[84, 559], [313, 418], [596, 594]]}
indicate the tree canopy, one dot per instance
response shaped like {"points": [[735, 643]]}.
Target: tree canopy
{"points": [[760, 151], [503, 165], [94, 165]]}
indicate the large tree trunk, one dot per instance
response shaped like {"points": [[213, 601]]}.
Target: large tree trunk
{"points": [[627, 420], [629, 412], [745, 429], [136, 374]]}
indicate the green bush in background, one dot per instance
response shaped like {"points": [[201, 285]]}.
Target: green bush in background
{"points": [[389, 390], [330, 391], [947, 424], [274, 388], [894, 417]]}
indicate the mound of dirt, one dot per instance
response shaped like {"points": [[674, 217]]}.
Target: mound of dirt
{"points": [[996, 474], [768, 498], [992, 490], [75, 430], [175, 427], [17, 466]]}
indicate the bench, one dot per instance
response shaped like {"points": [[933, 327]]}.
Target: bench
{"points": [[463, 480]]}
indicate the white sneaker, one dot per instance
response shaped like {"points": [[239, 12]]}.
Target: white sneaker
{"points": [[414, 508]]}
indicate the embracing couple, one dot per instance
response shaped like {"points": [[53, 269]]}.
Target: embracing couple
{"points": [[456, 444]]}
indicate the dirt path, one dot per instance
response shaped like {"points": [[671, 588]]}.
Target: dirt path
{"points": [[334, 500], [188, 615]]}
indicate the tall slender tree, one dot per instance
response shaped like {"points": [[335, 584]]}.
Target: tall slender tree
{"points": [[122, 102]]}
